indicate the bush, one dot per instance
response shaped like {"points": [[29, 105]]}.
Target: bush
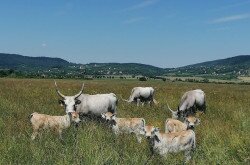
{"points": [[142, 79]]}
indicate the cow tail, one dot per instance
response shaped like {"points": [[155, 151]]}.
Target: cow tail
{"points": [[116, 102], [113, 107]]}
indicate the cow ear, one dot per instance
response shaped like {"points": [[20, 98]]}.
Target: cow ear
{"points": [[77, 102], [61, 102], [103, 115], [157, 129], [113, 117], [198, 121]]}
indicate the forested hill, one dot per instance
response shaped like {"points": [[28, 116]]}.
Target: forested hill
{"points": [[123, 69], [15, 61], [230, 67], [242, 60], [56, 67]]}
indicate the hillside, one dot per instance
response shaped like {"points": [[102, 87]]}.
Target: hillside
{"points": [[227, 68], [122, 69], [243, 60], [25, 66], [59, 68], [15, 61]]}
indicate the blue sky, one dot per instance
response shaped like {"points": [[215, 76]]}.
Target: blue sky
{"points": [[164, 33]]}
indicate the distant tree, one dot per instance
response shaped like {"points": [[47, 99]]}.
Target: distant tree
{"points": [[142, 79], [205, 80]]}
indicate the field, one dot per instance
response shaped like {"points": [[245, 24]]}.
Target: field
{"points": [[246, 79], [222, 138]]}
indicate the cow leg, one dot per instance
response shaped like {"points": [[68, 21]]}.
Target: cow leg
{"points": [[204, 107], [152, 150], [139, 138], [150, 103], [36, 131], [194, 110], [60, 134], [115, 129], [34, 134], [187, 155], [82, 116], [138, 101], [142, 103], [151, 100]]}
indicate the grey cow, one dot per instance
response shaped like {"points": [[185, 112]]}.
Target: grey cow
{"points": [[89, 104], [142, 95], [190, 102]]}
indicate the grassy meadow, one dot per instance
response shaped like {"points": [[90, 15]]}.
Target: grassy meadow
{"points": [[222, 138]]}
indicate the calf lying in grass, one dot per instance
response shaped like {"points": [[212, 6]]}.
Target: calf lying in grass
{"points": [[58, 123], [164, 143], [173, 125], [125, 125]]}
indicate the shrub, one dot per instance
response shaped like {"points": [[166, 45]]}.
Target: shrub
{"points": [[142, 79]]}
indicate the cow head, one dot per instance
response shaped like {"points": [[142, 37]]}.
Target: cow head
{"points": [[74, 117], [110, 118], [70, 103], [150, 131], [191, 122]]}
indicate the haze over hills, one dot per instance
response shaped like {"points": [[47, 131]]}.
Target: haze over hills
{"points": [[47, 66]]}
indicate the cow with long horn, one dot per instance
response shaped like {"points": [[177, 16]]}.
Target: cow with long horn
{"points": [[190, 102], [88, 104], [142, 95]]}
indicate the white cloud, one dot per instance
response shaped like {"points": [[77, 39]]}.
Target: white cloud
{"points": [[44, 45], [133, 20], [141, 5], [230, 18]]}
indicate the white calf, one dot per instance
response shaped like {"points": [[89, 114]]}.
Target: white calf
{"points": [[164, 143], [58, 123], [173, 125], [125, 125]]}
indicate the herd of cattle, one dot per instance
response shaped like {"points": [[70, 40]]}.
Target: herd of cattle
{"points": [[179, 132]]}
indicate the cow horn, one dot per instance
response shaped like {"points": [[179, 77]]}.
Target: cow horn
{"points": [[58, 92], [124, 99], [155, 102], [170, 108], [78, 94]]}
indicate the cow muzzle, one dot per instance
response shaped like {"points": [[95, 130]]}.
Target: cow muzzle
{"points": [[191, 127]]}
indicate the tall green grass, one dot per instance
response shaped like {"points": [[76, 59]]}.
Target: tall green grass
{"points": [[222, 138]]}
